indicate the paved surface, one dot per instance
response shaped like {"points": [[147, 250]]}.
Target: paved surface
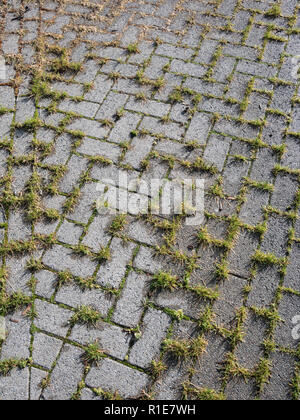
{"points": [[157, 88]]}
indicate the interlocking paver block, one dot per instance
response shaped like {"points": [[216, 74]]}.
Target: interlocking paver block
{"points": [[113, 376], [130, 306], [154, 330], [164, 90]]}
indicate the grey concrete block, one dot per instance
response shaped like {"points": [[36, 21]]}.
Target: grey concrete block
{"points": [[63, 259], [293, 270], [45, 350], [113, 376], [66, 375], [154, 329], [15, 387], [216, 151], [286, 331], [75, 297], [52, 318], [130, 305], [113, 340], [18, 338], [112, 273]]}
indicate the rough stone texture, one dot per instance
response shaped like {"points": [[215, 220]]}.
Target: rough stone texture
{"points": [[112, 376], [154, 329], [155, 89]]}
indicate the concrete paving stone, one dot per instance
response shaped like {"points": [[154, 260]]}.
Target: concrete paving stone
{"points": [[45, 286], [217, 106], [45, 350], [279, 387], [174, 52], [69, 233], [66, 375], [203, 87], [286, 334], [88, 395], [189, 302], [7, 97], [124, 127], [290, 159], [250, 351], [3, 162], [112, 273], [113, 102], [216, 151], [18, 275], [112, 339], [75, 297], [45, 227], [295, 126], [190, 69], [18, 337], [256, 69], [97, 235], [63, 259], [72, 89], [207, 50], [99, 148], [240, 258], [264, 287], [52, 318], [199, 128], [258, 104], [256, 35], [101, 87], [224, 69], [171, 81], [115, 176], [293, 270], [22, 143], [284, 193], [273, 133], [273, 52], [240, 52], [90, 128], [18, 228], [130, 306], [112, 376], [208, 373], [263, 166], [36, 378], [178, 150], [20, 178], [139, 150], [156, 127], [84, 108], [177, 41], [15, 387], [156, 109], [276, 238], [286, 71], [236, 129], [233, 176], [141, 232], [238, 86], [62, 151], [76, 167], [240, 389], [147, 260], [230, 301], [154, 329], [252, 210]]}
